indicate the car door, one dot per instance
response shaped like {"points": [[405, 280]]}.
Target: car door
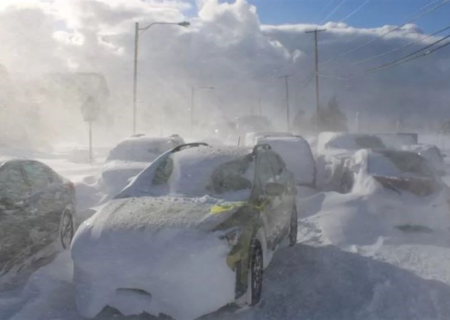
{"points": [[270, 205], [15, 228], [286, 199], [43, 203], [44, 192]]}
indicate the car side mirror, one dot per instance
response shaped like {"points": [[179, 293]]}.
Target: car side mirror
{"points": [[274, 189]]}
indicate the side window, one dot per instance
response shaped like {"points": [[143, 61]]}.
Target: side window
{"points": [[37, 176], [12, 184], [163, 172]]}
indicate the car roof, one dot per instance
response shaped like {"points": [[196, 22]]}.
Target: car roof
{"points": [[204, 151]]}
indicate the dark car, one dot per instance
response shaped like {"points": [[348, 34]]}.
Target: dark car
{"points": [[36, 209], [199, 224]]}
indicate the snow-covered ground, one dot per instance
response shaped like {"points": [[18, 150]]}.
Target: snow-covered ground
{"points": [[346, 266]]}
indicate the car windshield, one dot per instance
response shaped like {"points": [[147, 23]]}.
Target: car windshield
{"points": [[139, 151], [399, 164], [190, 175]]}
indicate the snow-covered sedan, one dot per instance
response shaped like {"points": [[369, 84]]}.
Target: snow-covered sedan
{"points": [[131, 156], [192, 233], [402, 185]]}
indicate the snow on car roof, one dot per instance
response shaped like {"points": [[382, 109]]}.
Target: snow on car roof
{"points": [[203, 152]]}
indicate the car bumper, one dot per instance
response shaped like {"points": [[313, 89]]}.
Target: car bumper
{"points": [[183, 276]]}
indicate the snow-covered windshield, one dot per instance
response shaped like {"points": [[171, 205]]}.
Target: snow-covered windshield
{"points": [[192, 174], [140, 150], [399, 164], [355, 142]]}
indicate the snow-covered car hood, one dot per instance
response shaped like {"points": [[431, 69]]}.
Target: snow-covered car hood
{"points": [[151, 214], [154, 255]]}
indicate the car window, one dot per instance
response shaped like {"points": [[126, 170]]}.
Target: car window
{"points": [[12, 184], [37, 175]]}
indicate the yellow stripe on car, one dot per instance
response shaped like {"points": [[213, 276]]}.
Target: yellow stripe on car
{"points": [[225, 207]]}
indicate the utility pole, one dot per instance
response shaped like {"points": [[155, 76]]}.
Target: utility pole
{"points": [[136, 43], [193, 90], [260, 109], [138, 30], [316, 71], [91, 158], [286, 79], [192, 109]]}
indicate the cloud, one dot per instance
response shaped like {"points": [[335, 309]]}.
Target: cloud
{"points": [[225, 47]]}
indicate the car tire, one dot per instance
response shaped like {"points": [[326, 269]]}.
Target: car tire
{"points": [[66, 229], [256, 272], [293, 227]]}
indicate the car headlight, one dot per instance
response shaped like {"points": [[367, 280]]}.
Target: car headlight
{"points": [[232, 235]]}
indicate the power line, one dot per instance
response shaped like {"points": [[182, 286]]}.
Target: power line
{"points": [[286, 78], [406, 59], [388, 32], [333, 11], [327, 6], [400, 48], [355, 11]]}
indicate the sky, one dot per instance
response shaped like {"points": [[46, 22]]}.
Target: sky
{"points": [[48, 47], [372, 13]]}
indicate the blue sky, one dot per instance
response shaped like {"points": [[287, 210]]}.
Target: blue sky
{"points": [[374, 14]]}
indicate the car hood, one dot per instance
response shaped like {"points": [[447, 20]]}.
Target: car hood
{"points": [[150, 214]]}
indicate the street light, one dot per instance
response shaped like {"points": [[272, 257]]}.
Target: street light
{"points": [[193, 89], [137, 29]]}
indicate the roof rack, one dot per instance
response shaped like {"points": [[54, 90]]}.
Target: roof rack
{"points": [[189, 145]]}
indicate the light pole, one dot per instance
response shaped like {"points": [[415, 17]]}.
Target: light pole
{"points": [[193, 89], [137, 29]]}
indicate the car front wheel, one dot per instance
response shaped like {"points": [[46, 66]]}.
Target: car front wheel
{"points": [[66, 229], [256, 271]]}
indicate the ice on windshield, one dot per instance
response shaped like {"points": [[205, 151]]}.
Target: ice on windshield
{"points": [[140, 150], [198, 172], [399, 164]]}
